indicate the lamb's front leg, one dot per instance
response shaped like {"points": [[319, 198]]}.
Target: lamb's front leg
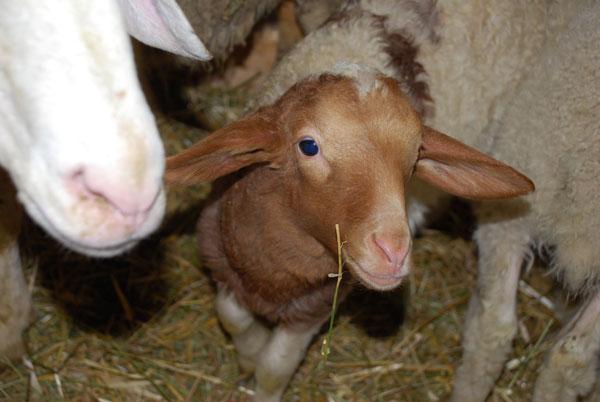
{"points": [[15, 302], [570, 369], [279, 359], [491, 321], [248, 335]]}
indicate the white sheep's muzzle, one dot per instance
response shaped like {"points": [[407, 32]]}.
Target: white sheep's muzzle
{"points": [[77, 136]]}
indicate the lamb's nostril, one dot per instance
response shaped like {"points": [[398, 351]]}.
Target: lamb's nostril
{"points": [[393, 249], [128, 202]]}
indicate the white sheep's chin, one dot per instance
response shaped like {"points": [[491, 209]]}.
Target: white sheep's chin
{"points": [[96, 236]]}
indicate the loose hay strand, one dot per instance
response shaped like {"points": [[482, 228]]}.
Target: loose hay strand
{"points": [[325, 347], [532, 352]]}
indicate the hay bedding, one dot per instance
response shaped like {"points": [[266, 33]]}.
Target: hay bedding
{"points": [[142, 327]]}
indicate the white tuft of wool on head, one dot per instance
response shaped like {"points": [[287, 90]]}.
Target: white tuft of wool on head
{"points": [[365, 78]]}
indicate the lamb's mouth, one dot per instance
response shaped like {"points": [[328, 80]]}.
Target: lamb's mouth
{"points": [[375, 282]]}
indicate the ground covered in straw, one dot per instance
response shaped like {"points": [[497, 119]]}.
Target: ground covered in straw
{"points": [[143, 328]]}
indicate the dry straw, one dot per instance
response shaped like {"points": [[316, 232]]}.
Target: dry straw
{"points": [[325, 348]]}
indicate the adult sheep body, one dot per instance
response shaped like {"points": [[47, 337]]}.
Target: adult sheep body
{"points": [[551, 131], [77, 138]]}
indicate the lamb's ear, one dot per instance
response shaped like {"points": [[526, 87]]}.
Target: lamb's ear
{"points": [[463, 171], [251, 140]]}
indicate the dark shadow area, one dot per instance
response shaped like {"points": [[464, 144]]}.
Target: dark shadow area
{"points": [[183, 221], [163, 77], [457, 220], [112, 296], [378, 314]]}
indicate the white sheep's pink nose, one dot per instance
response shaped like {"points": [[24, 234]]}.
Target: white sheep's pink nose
{"points": [[128, 202], [394, 251]]}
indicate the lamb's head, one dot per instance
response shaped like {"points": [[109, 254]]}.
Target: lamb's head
{"points": [[342, 151], [76, 134]]}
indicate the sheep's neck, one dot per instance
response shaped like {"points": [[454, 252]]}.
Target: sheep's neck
{"points": [[274, 268]]}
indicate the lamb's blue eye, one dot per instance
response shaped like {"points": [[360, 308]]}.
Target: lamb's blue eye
{"points": [[308, 147]]}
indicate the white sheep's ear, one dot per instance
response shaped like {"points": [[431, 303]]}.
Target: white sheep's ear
{"points": [[463, 171], [252, 140], [162, 24]]}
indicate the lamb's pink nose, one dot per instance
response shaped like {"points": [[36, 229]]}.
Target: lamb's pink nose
{"points": [[130, 202], [393, 248]]}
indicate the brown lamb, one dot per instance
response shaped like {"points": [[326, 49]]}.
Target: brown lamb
{"points": [[268, 235]]}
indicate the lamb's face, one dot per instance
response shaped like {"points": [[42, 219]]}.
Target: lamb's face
{"points": [[352, 152]]}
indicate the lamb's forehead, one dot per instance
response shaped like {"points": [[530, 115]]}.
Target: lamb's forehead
{"points": [[367, 108], [350, 104], [378, 95]]}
